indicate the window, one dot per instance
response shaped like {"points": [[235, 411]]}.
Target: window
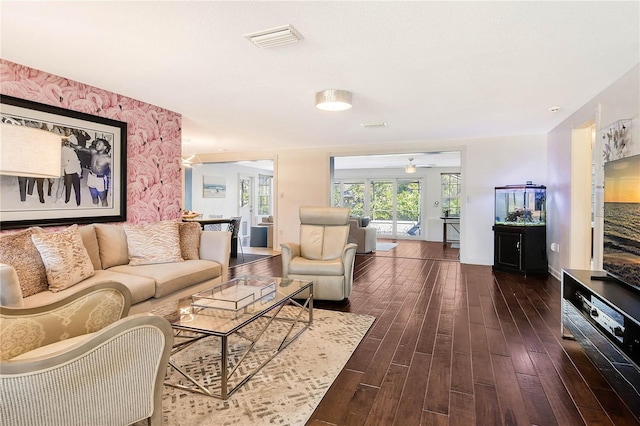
{"points": [[264, 194], [451, 185]]}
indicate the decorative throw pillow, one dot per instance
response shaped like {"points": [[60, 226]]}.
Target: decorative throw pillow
{"points": [[155, 243], [112, 243], [190, 240], [65, 258], [19, 251]]}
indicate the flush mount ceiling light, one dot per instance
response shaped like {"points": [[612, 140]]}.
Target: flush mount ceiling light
{"points": [[333, 100], [274, 36], [410, 168]]}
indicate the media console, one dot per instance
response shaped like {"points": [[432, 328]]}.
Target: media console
{"points": [[604, 317], [612, 307]]}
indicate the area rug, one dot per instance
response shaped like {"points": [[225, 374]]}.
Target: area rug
{"points": [[285, 392], [385, 246]]}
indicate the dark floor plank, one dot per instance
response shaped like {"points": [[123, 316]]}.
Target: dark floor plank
{"points": [[535, 400], [486, 405], [336, 403], [386, 403], [462, 411], [437, 398], [412, 399], [512, 408], [559, 398]]}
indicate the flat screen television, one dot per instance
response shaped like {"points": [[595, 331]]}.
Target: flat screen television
{"points": [[621, 251]]}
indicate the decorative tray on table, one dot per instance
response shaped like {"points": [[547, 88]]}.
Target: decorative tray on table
{"points": [[234, 295]]}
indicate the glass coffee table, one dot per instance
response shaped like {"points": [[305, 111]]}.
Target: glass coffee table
{"points": [[244, 324]]}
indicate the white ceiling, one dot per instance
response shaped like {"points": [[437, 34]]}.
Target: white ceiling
{"points": [[431, 70]]}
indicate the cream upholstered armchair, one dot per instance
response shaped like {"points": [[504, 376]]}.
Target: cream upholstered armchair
{"points": [[323, 254], [82, 361]]}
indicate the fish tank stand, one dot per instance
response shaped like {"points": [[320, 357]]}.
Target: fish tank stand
{"points": [[520, 232]]}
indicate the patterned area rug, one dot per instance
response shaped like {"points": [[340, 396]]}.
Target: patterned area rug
{"points": [[285, 392]]}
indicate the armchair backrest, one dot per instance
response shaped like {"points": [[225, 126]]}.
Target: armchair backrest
{"points": [[323, 232]]}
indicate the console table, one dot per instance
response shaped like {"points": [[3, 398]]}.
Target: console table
{"points": [[454, 222]]}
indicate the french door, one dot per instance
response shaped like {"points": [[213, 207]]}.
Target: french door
{"points": [[393, 205]]}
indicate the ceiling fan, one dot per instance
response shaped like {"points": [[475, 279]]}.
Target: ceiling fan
{"points": [[411, 168], [190, 159]]}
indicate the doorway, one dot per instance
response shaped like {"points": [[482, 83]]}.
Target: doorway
{"points": [[405, 196], [245, 210]]}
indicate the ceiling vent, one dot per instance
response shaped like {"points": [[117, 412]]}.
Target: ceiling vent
{"points": [[374, 124], [274, 37]]}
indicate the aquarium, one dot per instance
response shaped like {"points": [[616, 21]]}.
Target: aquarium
{"points": [[521, 205]]}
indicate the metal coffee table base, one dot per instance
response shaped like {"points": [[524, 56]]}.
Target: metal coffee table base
{"points": [[185, 338]]}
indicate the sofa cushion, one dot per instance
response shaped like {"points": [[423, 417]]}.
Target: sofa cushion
{"points": [[300, 265], [65, 258], [19, 251], [190, 240], [142, 288], [171, 277], [113, 245], [154, 243], [90, 241]]}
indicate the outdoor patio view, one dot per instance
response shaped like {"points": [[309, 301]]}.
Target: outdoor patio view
{"points": [[394, 205]]}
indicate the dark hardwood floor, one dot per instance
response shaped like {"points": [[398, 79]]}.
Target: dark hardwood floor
{"points": [[457, 344]]}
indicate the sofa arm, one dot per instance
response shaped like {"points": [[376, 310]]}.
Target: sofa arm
{"points": [[10, 291], [216, 246], [348, 260], [89, 310], [289, 251]]}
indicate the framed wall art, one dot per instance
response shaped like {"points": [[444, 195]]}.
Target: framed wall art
{"points": [[92, 186], [214, 187]]}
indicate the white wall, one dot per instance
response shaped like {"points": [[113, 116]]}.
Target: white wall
{"points": [[619, 101], [492, 162]]}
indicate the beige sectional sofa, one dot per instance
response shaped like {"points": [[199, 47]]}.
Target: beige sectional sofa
{"points": [[109, 251]]}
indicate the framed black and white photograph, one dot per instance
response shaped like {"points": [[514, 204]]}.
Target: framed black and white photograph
{"points": [[60, 167]]}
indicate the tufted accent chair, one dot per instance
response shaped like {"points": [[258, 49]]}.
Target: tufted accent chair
{"points": [[323, 255], [81, 360]]}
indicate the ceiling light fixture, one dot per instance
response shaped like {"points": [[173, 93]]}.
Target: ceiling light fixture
{"points": [[333, 100], [274, 36], [189, 157], [410, 168], [554, 109]]}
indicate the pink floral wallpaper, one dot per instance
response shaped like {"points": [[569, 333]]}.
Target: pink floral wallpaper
{"points": [[154, 187]]}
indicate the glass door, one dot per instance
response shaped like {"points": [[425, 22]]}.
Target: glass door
{"points": [[408, 211], [382, 207]]}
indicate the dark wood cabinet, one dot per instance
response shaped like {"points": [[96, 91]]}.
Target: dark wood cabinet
{"points": [[613, 309], [520, 249]]}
